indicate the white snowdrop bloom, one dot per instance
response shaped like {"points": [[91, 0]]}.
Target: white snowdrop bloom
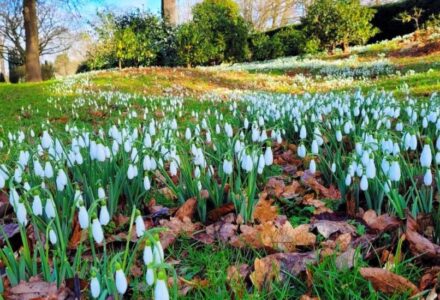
{"points": [[426, 156], [18, 174], [134, 156], [161, 289], [359, 170], [104, 215], [246, 123], [95, 288], [387, 186], [83, 217], [149, 276], [437, 144], [140, 226], [437, 160], [132, 171], [227, 167], [364, 183], [197, 172], [97, 232], [49, 209], [413, 143], [247, 163], [255, 134], [147, 184], [188, 134], [79, 158], [13, 197], [61, 180], [173, 168], [53, 237], [338, 135], [48, 170], [100, 153], [312, 166], [21, 214], [315, 148], [348, 180], [394, 172], [302, 151], [370, 171], [120, 280], [115, 147], [46, 140], [268, 156], [228, 130], [2, 182], [303, 132], [127, 146], [333, 167], [158, 253], [101, 193], [261, 164], [37, 206], [427, 178], [147, 141], [208, 137], [148, 253]]}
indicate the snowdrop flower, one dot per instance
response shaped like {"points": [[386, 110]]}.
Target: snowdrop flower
{"points": [[2, 182], [247, 163], [370, 169], [161, 289], [37, 206], [312, 166], [315, 148], [53, 237], [437, 160], [49, 209], [348, 180], [188, 134], [140, 225], [46, 140], [95, 288], [227, 167], [149, 276], [61, 180], [21, 214], [268, 156], [261, 164], [132, 171], [147, 184], [364, 183], [97, 232], [148, 253], [173, 168], [13, 197], [104, 215], [158, 250], [120, 280], [333, 167], [394, 172], [303, 132], [48, 170], [83, 217], [302, 151], [427, 178], [426, 156]]}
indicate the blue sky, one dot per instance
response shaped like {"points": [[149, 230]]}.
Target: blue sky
{"points": [[91, 6]]}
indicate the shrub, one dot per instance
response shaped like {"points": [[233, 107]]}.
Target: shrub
{"points": [[260, 46], [293, 41], [47, 70]]}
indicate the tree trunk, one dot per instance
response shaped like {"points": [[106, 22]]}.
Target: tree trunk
{"points": [[346, 47], [169, 11], [2, 63], [33, 68]]}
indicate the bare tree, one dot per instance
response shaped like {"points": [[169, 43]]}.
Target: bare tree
{"points": [[53, 36], [33, 68]]}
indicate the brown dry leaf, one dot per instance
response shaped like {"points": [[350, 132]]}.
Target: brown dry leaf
{"points": [[388, 282], [167, 193], [121, 220], [215, 214], [269, 267], [236, 277], [4, 203], [265, 211], [176, 227], [326, 227], [291, 190], [36, 288], [346, 259], [275, 187], [329, 193], [187, 210], [430, 278], [418, 244], [380, 223], [320, 207]]}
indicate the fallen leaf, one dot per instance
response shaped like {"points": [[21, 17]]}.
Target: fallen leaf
{"points": [[329, 193], [268, 268], [388, 282], [275, 187], [264, 210], [380, 223], [320, 206], [215, 214], [345, 260], [10, 230], [418, 244], [291, 190], [429, 278], [176, 227], [36, 288], [187, 210], [326, 227], [78, 235]]}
